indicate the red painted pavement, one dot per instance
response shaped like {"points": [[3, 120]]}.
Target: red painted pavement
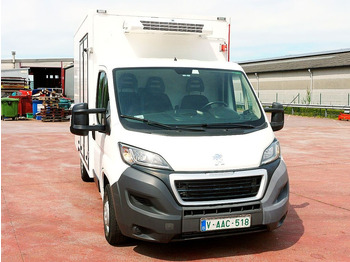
{"points": [[49, 214]]}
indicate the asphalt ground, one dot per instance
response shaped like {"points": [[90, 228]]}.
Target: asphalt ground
{"points": [[49, 214]]}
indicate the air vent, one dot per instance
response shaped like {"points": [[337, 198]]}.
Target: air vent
{"points": [[172, 27]]}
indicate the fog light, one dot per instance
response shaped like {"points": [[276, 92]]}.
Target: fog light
{"points": [[136, 230]]}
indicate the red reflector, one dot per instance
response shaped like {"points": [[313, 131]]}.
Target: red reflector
{"points": [[224, 48]]}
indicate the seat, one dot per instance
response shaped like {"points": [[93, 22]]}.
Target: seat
{"points": [[129, 100], [194, 101], [154, 99]]}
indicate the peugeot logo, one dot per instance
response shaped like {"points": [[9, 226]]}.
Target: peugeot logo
{"points": [[218, 160]]}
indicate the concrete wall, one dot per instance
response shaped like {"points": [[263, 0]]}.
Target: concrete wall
{"points": [[321, 86]]}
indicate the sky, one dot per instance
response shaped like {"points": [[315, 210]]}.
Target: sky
{"points": [[260, 29]]}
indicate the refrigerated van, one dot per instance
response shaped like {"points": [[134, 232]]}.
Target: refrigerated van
{"points": [[172, 132]]}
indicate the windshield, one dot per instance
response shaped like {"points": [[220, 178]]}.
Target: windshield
{"points": [[180, 98]]}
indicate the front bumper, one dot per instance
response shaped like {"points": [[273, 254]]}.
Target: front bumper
{"points": [[146, 208]]}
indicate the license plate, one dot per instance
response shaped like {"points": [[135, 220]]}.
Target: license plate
{"points": [[210, 224]]}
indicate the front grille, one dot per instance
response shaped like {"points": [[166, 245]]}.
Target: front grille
{"points": [[172, 27], [218, 189]]}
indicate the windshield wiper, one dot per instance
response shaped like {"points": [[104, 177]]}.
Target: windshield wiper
{"points": [[230, 125], [148, 122], [224, 125], [160, 125]]}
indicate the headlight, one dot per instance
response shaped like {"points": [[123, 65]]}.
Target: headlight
{"points": [[132, 155], [271, 153]]}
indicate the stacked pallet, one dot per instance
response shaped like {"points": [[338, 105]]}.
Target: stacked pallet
{"points": [[51, 112], [13, 83]]}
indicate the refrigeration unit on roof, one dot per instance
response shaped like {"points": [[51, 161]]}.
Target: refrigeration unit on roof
{"points": [[168, 27]]}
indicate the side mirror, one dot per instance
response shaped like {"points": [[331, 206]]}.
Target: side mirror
{"points": [[80, 120], [277, 116]]}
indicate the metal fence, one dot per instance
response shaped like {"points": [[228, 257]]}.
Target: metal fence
{"points": [[303, 97], [292, 105]]}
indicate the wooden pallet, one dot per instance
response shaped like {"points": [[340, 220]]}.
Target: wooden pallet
{"points": [[53, 114], [54, 119]]}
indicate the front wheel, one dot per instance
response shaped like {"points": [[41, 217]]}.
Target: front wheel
{"points": [[112, 232]]}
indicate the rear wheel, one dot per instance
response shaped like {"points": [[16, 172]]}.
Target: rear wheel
{"points": [[112, 232], [84, 174]]}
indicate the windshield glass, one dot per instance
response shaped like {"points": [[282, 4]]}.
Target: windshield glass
{"points": [[179, 98]]}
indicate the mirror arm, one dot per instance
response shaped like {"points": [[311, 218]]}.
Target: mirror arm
{"points": [[98, 128], [273, 110], [90, 111]]}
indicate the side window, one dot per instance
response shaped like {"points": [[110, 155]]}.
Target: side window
{"points": [[102, 97], [239, 94], [244, 97]]}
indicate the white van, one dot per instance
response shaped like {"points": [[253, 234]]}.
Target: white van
{"points": [[171, 132]]}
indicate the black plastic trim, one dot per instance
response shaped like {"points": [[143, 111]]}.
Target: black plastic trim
{"points": [[146, 209]]}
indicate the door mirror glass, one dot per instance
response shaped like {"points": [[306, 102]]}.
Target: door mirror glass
{"points": [[80, 120], [277, 116]]}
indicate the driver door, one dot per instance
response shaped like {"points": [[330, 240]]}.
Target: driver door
{"points": [[102, 101]]}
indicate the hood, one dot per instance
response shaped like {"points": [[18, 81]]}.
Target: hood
{"points": [[205, 153]]}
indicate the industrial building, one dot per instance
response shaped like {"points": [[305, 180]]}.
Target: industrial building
{"points": [[34, 73], [316, 78]]}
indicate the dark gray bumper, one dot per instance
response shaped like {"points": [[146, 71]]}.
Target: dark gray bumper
{"points": [[146, 208]]}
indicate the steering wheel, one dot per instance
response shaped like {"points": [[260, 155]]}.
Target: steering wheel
{"points": [[213, 103]]}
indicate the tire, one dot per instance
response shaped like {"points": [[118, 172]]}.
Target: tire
{"points": [[112, 232], [84, 174]]}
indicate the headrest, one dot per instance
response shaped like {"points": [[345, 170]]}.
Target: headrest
{"points": [[194, 84], [155, 85], [127, 83]]}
